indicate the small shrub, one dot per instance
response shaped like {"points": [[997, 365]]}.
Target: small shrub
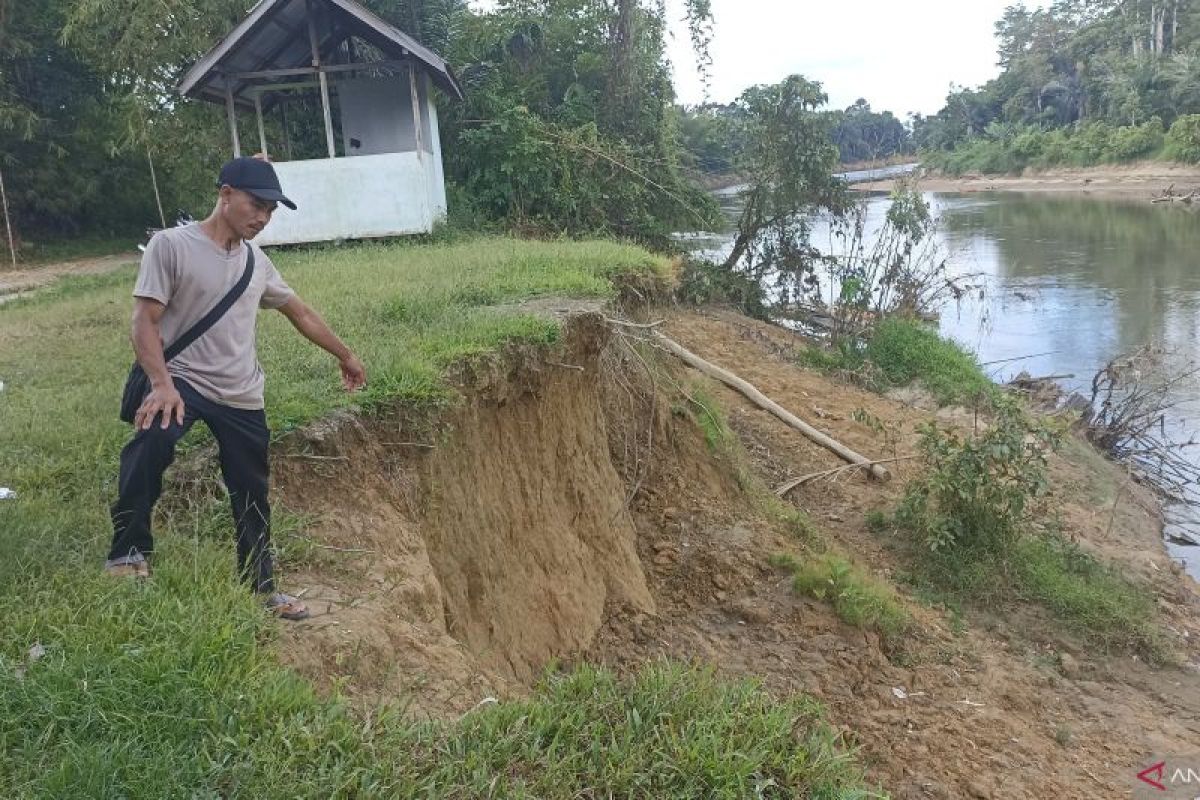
{"points": [[978, 533], [1062, 735], [978, 491], [702, 281]]}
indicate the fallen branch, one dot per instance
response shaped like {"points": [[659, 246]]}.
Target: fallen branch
{"points": [[624, 324], [766, 403], [1019, 358], [783, 490]]}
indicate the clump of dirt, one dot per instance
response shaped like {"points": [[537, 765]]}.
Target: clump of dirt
{"points": [[571, 508]]}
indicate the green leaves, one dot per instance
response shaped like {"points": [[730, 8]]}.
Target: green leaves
{"points": [[979, 489]]}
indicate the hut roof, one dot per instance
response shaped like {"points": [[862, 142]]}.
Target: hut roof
{"points": [[274, 37]]}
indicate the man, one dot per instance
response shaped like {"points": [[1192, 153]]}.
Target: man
{"points": [[185, 272]]}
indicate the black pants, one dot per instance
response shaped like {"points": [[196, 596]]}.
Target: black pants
{"points": [[243, 439]]}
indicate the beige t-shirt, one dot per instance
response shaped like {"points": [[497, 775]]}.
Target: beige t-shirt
{"points": [[189, 273]]}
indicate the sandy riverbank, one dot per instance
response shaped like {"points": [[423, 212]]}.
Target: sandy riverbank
{"points": [[1133, 181]]}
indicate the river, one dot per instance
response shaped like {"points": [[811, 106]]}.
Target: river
{"points": [[1071, 282]]}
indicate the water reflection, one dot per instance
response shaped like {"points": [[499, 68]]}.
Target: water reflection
{"points": [[1073, 283], [1088, 277]]}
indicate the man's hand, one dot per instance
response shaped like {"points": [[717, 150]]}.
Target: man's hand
{"points": [[164, 399], [354, 374]]}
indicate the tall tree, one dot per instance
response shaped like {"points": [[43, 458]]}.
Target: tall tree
{"points": [[789, 162]]}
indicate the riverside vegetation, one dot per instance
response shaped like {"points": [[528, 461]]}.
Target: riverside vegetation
{"points": [[1081, 83]]}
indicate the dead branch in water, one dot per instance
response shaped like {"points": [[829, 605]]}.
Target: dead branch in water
{"points": [[1130, 399], [1169, 196]]}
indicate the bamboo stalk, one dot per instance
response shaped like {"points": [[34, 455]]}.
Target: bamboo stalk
{"points": [[12, 248], [154, 182]]}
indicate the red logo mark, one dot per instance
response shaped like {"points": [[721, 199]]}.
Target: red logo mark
{"points": [[1157, 771]]}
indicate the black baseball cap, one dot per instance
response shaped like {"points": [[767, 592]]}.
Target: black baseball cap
{"points": [[256, 176]]}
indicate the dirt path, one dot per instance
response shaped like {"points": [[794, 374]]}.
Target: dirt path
{"points": [[22, 281], [1135, 181]]}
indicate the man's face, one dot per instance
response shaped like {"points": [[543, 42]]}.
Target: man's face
{"points": [[246, 214]]}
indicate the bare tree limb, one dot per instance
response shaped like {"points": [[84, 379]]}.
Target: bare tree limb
{"points": [[762, 401]]}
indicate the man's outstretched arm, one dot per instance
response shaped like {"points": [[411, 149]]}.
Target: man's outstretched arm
{"points": [[309, 323]]}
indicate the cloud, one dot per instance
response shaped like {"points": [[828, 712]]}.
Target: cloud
{"points": [[901, 57]]}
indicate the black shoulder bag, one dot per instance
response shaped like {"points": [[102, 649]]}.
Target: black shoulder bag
{"points": [[137, 385]]}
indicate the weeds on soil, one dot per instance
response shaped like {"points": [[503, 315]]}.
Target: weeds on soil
{"points": [[901, 351], [977, 525], [858, 599]]}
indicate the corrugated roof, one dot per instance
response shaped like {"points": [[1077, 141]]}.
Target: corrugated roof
{"points": [[274, 35]]}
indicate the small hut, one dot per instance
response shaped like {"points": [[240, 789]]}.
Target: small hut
{"points": [[383, 172]]}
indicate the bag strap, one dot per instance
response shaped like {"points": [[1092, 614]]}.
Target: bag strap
{"points": [[208, 320]]}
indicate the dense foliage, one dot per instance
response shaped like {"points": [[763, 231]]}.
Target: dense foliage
{"points": [[711, 134], [568, 123], [568, 126], [1082, 82]]}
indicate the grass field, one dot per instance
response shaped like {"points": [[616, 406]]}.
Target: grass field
{"points": [[171, 688]]}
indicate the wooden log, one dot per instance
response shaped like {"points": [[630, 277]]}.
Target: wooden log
{"points": [[766, 403], [12, 248]]}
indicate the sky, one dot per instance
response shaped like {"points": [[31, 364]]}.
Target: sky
{"points": [[900, 56]]}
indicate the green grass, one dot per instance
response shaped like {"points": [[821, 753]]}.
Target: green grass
{"points": [[1088, 598], [172, 688], [903, 351], [857, 598], [710, 417], [1091, 597]]}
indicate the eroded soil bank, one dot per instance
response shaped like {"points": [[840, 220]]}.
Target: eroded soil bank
{"points": [[570, 508]]}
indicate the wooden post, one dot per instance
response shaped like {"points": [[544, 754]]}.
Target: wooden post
{"points": [[12, 248], [231, 109], [154, 182], [416, 110], [287, 135], [316, 62], [262, 131]]}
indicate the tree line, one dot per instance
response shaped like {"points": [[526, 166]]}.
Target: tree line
{"points": [[568, 126], [1081, 82], [710, 134]]}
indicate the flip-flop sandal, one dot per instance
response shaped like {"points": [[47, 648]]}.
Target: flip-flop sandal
{"points": [[128, 569], [287, 607]]}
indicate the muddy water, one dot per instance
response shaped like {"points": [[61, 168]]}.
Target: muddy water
{"points": [[1070, 283]]}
